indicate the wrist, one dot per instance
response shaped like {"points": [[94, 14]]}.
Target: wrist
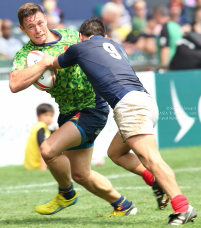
{"points": [[44, 63]]}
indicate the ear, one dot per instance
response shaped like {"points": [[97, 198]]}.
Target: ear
{"points": [[22, 28], [81, 37]]}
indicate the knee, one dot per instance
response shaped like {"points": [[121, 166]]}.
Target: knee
{"points": [[45, 151], [112, 156], [80, 178]]}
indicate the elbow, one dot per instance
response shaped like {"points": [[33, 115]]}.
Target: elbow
{"points": [[13, 88]]}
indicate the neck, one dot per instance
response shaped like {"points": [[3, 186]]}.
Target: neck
{"points": [[175, 18], [165, 20], [6, 37], [51, 37]]}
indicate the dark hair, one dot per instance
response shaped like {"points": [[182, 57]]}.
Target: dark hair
{"points": [[43, 108], [28, 9], [160, 9], [93, 26]]}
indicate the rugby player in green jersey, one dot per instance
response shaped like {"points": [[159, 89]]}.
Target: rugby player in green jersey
{"points": [[83, 114]]}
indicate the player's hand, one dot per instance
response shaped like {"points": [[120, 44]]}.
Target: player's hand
{"points": [[49, 60]]}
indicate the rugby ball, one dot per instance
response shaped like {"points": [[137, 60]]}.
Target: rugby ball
{"points": [[97, 161], [47, 79]]}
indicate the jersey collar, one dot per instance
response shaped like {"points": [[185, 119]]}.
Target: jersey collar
{"points": [[50, 43], [96, 37]]}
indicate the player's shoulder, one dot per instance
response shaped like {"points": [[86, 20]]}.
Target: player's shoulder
{"points": [[68, 36], [25, 49], [67, 32]]}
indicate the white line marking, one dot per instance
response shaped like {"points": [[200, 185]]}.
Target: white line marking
{"points": [[80, 189], [116, 176], [187, 170]]}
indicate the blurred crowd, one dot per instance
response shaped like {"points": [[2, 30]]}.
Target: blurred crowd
{"points": [[139, 27], [154, 30]]}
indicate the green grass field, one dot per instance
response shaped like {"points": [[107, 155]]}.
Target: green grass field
{"points": [[21, 190]]}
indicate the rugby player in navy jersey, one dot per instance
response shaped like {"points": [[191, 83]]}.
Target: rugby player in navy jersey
{"points": [[135, 111]]}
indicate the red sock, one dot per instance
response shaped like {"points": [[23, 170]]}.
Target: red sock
{"points": [[180, 203], [148, 177]]}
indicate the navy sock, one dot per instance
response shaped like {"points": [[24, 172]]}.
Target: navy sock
{"points": [[122, 203], [68, 193]]}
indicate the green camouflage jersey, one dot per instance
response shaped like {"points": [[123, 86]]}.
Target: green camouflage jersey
{"points": [[72, 91]]}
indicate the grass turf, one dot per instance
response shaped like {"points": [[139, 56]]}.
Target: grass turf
{"points": [[21, 190]]}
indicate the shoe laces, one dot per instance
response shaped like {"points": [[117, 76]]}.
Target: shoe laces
{"points": [[120, 208], [174, 215], [53, 202], [158, 193]]}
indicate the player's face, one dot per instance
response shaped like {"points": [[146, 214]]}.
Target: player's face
{"points": [[36, 28], [46, 117]]}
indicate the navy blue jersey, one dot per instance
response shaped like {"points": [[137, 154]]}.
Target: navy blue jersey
{"points": [[106, 66]]}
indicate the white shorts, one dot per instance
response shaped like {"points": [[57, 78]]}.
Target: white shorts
{"points": [[136, 113]]}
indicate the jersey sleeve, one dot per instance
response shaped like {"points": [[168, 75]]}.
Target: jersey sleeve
{"points": [[164, 39], [41, 136], [19, 61], [68, 58]]}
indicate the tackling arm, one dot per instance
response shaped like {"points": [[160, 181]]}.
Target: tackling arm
{"points": [[66, 59], [56, 63]]}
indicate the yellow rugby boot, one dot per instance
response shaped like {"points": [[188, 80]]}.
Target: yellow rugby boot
{"points": [[132, 210], [55, 205]]}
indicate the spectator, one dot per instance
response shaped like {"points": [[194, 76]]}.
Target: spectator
{"points": [[111, 16], [51, 24], [8, 44], [145, 42], [178, 15], [125, 16], [170, 34], [196, 26], [139, 21], [50, 8], [39, 132], [198, 2], [176, 8], [0, 27], [191, 3]]}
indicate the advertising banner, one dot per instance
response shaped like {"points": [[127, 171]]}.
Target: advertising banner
{"points": [[179, 100]]}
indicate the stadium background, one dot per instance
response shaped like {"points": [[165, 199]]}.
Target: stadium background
{"points": [[81, 12]]}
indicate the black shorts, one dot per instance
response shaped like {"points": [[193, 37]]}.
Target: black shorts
{"points": [[89, 121]]}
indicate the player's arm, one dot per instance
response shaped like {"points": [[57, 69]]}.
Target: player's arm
{"points": [[66, 59], [164, 43], [21, 79], [165, 53], [41, 138]]}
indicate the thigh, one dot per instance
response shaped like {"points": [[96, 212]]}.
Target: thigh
{"points": [[145, 147], [136, 114], [65, 137], [80, 160], [117, 148]]}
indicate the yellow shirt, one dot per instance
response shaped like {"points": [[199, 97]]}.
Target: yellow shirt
{"points": [[32, 153]]}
